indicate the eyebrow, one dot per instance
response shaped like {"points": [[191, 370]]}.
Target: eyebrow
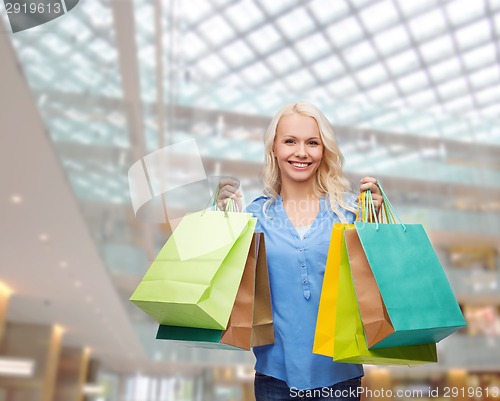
{"points": [[294, 137]]}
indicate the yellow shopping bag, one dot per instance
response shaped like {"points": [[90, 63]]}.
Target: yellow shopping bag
{"points": [[325, 324]]}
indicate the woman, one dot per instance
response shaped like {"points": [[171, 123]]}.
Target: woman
{"points": [[306, 191]]}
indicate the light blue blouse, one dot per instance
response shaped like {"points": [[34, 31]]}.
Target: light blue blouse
{"points": [[296, 269]]}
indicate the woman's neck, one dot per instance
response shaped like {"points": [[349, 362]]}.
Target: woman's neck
{"points": [[297, 193], [300, 204]]}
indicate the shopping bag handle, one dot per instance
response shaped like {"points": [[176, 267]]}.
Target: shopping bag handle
{"points": [[366, 209], [212, 204], [389, 206]]}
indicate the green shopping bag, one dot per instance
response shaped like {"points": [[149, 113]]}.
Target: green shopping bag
{"points": [[251, 320], [349, 338], [418, 298], [188, 287]]}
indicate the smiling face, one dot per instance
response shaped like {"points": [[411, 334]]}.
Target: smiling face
{"points": [[298, 148]]}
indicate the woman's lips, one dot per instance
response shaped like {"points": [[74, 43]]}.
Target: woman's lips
{"points": [[299, 165]]}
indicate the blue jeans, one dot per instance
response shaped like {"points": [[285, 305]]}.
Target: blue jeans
{"points": [[268, 388]]}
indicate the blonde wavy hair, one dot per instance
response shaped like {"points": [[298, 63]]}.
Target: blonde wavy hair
{"points": [[330, 179]]}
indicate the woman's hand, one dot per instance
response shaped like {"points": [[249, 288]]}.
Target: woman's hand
{"points": [[371, 184], [229, 188]]}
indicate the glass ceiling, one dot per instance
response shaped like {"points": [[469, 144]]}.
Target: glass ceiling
{"points": [[385, 65], [427, 69]]}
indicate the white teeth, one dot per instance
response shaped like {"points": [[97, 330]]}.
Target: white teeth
{"points": [[300, 164]]}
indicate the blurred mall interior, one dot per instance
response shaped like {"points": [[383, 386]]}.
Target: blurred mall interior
{"points": [[412, 89]]}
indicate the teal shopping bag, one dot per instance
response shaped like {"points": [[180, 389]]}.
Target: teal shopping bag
{"points": [[417, 295], [194, 337]]}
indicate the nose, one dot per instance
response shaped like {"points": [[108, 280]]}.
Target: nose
{"points": [[301, 151]]}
